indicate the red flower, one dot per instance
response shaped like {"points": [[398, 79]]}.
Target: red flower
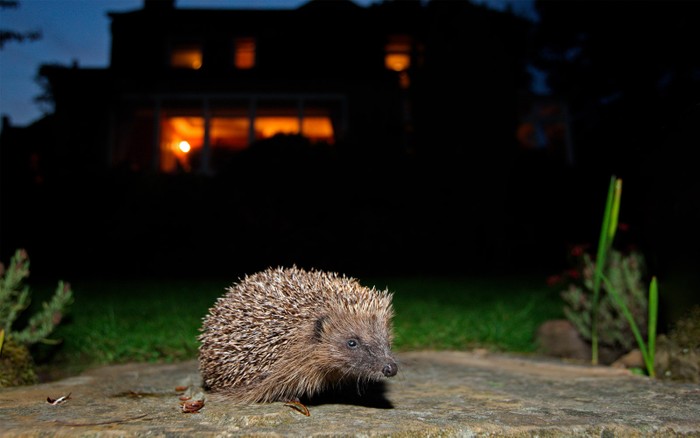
{"points": [[578, 250], [573, 273], [553, 280]]}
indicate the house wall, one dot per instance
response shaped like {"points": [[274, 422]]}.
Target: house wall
{"points": [[459, 92], [419, 155]]}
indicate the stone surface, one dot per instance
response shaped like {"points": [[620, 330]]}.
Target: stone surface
{"points": [[435, 394]]}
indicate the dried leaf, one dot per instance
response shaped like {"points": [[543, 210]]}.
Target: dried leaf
{"points": [[192, 406], [58, 401]]}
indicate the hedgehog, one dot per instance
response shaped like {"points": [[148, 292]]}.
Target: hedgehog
{"points": [[282, 334]]}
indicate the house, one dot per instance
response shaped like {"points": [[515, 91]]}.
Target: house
{"points": [[405, 113], [188, 89]]}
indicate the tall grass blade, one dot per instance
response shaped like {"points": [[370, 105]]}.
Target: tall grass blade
{"points": [[652, 321], [612, 227], [604, 242]]}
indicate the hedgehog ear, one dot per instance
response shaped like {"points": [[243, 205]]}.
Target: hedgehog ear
{"points": [[318, 327]]}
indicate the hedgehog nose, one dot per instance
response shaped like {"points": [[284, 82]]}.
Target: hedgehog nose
{"points": [[390, 369]]}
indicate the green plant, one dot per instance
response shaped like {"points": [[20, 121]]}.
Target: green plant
{"points": [[16, 362], [15, 299], [621, 279], [648, 349], [626, 272], [607, 233]]}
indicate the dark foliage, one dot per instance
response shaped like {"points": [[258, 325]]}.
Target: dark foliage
{"points": [[8, 35]]}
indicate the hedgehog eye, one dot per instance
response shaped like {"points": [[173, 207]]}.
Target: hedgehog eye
{"points": [[352, 343]]}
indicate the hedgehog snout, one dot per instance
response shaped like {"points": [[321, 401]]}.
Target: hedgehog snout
{"points": [[390, 369]]}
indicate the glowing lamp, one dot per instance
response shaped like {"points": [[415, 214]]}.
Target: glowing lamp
{"points": [[184, 146]]}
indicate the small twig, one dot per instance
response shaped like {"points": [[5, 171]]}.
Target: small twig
{"points": [[100, 423], [298, 406]]}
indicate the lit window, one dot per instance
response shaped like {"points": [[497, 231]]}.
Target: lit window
{"points": [[182, 134], [244, 53], [317, 129], [314, 128], [266, 127], [182, 141], [186, 56], [398, 53], [229, 132]]}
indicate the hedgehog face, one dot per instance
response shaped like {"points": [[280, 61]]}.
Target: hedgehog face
{"points": [[366, 356], [356, 348]]}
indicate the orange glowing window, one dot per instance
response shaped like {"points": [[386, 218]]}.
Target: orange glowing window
{"points": [[182, 137], [317, 129], [266, 127], [244, 53], [229, 132], [398, 53], [314, 128], [181, 143], [186, 56]]}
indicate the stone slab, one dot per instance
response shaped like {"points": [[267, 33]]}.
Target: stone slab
{"points": [[445, 394]]}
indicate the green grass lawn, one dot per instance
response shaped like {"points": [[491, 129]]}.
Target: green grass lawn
{"points": [[121, 321]]}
